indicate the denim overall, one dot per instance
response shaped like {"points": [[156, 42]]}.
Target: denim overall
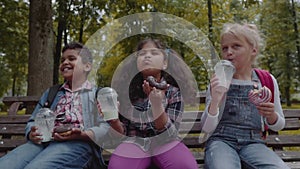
{"points": [[237, 139]]}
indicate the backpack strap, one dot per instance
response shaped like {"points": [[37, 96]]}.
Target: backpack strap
{"points": [[266, 80], [97, 90], [51, 95]]}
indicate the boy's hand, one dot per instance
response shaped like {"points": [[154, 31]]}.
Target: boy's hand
{"points": [[75, 134], [35, 136]]}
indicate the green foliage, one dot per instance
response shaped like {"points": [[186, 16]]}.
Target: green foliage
{"points": [[280, 52], [274, 18], [13, 46]]}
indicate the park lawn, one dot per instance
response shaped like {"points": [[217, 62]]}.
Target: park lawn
{"points": [[20, 112], [294, 106]]}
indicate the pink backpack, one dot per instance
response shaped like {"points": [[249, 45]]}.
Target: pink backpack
{"points": [[266, 80]]}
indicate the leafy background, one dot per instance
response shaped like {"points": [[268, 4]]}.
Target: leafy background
{"points": [[77, 20]]}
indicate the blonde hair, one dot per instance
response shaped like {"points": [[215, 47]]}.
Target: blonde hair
{"points": [[247, 31]]}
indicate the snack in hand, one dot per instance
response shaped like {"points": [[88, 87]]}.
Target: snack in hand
{"points": [[153, 83], [262, 95], [63, 130]]}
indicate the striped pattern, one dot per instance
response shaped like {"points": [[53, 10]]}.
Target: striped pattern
{"points": [[262, 95]]}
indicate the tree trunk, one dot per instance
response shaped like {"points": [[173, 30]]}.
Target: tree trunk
{"points": [[210, 31], [210, 21], [41, 51], [59, 37], [289, 80], [82, 20]]}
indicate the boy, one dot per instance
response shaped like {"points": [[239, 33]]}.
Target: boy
{"points": [[75, 105]]}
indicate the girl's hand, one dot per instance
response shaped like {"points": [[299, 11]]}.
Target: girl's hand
{"points": [[146, 87], [267, 110], [156, 96], [35, 136], [216, 95]]}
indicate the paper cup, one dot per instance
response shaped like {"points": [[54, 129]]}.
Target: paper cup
{"points": [[107, 97], [44, 121], [224, 70]]}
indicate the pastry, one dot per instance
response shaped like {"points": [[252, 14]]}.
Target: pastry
{"points": [[63, 130], [262, 95], [153, 83]]}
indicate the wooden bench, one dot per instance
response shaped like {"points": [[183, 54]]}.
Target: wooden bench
{"points": [[285, 143], [20, 102]]}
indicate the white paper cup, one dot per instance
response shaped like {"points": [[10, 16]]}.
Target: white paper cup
{"points": [[224, 70], [44, 121], [107, 97]]}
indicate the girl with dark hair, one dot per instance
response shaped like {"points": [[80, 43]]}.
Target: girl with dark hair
{"points": [[150, 111]]}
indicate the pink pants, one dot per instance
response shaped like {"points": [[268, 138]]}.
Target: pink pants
{"points": [[174, 155]]}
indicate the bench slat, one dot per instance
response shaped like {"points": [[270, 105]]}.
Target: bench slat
{"points": [[289, 156], [196, 115], [274, 141], [194, 127], [14, 119], [283, 140], [28, 100], [12, 129], [9, 144], [291, 113], [293, 165]]}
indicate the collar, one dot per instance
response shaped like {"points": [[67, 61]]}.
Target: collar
{"points": [[85, 86]]}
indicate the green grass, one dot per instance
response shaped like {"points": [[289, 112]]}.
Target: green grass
{"points": [[20, 112], [294, 106]]}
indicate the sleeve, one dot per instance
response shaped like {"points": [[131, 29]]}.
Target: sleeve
{"points": [[93, 121], [174, 109], [100, 133], [209, 122], [40, 104], [280, 123]]}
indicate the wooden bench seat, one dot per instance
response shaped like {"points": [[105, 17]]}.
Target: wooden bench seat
{"points": [[287, 146]]}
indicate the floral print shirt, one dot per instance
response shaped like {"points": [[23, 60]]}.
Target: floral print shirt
{"points": [[69, 107]]}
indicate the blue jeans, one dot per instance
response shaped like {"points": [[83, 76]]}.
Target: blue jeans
{"points": [[230, 153], [56, 155]]}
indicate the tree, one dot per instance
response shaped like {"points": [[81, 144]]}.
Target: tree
{"points": [[280, 45], [75, 20], [13, 46], [293, 10], [61, 28], [40, 65]]}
